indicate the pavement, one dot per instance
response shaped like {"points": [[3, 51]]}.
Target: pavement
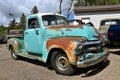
{"points": [[26, 69]]}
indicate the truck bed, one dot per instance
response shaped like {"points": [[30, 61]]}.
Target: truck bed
{"points": [[15, 35]]}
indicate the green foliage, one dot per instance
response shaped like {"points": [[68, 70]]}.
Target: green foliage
{"points": [[2, 30], [34, 10], [22, 21], [107, 2], [78, 3], [96, 2], [13, 25]]}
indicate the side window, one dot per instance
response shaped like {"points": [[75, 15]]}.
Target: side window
{"points": [[85, 20], [33, 23]]}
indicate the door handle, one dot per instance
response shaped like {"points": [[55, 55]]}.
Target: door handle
{"points": [[26, 32], [37, 32]]}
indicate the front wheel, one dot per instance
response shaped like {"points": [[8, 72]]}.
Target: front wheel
{"points": [[13, 54], [61, 64]]}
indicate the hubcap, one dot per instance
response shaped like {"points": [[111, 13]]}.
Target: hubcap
{"points": [[62, 62]]}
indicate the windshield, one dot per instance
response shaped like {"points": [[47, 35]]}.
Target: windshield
{"points": [[51, 20], [110, 22]]}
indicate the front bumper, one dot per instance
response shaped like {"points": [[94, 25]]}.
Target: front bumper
{"points": [[93, 61]]}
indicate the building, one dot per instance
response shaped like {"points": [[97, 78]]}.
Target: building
{"points": [[95, 14]]}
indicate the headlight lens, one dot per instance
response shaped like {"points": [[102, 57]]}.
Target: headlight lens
{"points": [[78, 42], [79, 47]]}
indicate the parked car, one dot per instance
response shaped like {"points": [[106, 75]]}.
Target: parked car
{"points": [[3, 39], [110, 29], [75, 22], [79, 22]]}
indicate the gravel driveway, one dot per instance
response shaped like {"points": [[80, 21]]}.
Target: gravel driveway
{"points": [[26, 69]]}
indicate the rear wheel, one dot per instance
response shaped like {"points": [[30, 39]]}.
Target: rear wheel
{"points": [[61, 64], [13, 54]]}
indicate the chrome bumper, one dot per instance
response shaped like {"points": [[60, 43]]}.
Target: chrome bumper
{"points": [[93, 61]]}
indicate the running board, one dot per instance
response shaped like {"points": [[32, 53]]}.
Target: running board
{"points": [[29, 55]]}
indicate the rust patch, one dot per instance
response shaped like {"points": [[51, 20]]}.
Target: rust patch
{"points": [[66, 44], [65, 26], [70, 53], [58, 42], [62, 42]]}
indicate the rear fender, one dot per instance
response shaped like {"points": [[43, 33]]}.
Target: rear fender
{"points": [[14, 42]]}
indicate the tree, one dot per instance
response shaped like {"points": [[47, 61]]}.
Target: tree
{"points": [[2, 30], [12, 24], [83, 3], [96, 2], [60, 6], [22, 21], [68, 7], [34, 10], [112, 2]]}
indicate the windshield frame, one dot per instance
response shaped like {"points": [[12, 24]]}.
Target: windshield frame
{"points": [[54, 20]]}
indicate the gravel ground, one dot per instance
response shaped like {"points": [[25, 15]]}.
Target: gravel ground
{"points": [[25, 69]]}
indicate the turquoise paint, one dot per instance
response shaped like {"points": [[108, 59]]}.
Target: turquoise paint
{"points": [[86, 32], [33, 41], [45, 52]]}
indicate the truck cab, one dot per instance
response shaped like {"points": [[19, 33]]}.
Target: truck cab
{"points": [[49, 38]]}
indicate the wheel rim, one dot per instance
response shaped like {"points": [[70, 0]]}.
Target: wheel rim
{"points": [[62, 62], [13, 53]]}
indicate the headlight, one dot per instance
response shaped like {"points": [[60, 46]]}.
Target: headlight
{"points": [[78, 42], [79, 47]]}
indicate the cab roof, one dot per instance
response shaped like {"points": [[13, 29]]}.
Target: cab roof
{"points": [[42, 14]]}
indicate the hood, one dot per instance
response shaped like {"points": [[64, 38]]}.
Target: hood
{"points": [[72, 31], [104, 29]]}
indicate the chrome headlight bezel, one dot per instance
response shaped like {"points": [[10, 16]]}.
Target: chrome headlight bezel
{"points": [[79, 44], [79, 47]]}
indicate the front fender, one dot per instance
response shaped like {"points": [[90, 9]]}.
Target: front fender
{"points": [[66, 44]]}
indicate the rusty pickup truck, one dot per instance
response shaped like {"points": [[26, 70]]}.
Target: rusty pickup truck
{"points": [[49, 38]]}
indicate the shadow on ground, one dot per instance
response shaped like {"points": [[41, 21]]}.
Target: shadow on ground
{"points": [[90, 71], [93, 70], [117, 52], [36, 62]]}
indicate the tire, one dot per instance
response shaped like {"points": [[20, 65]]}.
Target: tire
{"points": [[13, 54], [61, 64]]}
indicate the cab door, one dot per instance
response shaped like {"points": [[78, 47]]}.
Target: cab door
{"points": [[32, 37]]}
